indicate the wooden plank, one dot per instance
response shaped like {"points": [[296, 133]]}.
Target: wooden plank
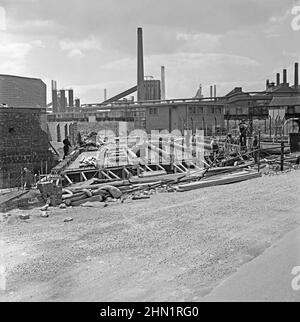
{"points": [[114, 175], [220, 181], [177, 167], [153, 173], [105, 175], [68, 179], [83, 176]]}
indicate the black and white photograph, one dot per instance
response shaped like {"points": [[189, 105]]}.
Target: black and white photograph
{"points": [[149, 153]]}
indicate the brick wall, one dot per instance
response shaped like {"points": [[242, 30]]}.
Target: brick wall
{"points": [[22, 143]]}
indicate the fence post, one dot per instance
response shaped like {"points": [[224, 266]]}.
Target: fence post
{"points": [[282, 156], [160, 146], [258, 153]]}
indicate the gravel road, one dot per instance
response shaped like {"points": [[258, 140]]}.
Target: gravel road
{"points": [[172, 247]]}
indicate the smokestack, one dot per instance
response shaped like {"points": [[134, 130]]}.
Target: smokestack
{"points": [[62, 100], [140, 66], [215, 91], [163, 84], [278, 79], [71, 98], [284, 76], [77, 103], [211, 92], [105, 94], [296, 82], [54, 97]]}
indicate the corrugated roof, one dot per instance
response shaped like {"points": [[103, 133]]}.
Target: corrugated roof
{"points": [[285, 101]]}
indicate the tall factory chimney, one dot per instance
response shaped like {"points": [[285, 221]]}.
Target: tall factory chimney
{"points": [[163, 83], [105, 94], [140, 66], [62, 100], [71, 98], [284, 76], [211, 92], [296, 82], [54, 97], [278, 79], [215, 91]]}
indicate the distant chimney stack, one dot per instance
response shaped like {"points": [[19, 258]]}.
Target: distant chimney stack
{"points": [[211, 92], [140, 66], [215, 91], [296, 82], [77, 103], [71, 98], [163, 83], [284, 76], [278, 79], [54, 97], [62, 101]]}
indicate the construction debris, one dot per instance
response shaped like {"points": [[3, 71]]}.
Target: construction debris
{"points": [[68, 219], [227, 179], [24, 217], [103, 181]]}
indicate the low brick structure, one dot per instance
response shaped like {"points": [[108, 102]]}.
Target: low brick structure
{"points": [[50, 192], [24, 143]]}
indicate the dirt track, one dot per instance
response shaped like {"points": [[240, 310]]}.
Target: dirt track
{"points": [[173, 247]]}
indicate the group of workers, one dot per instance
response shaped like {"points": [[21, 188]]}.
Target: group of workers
{"points": [[230, 142], [228, 145]]}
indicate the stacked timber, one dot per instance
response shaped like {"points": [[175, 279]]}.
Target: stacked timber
{"points": [[227, 179]]}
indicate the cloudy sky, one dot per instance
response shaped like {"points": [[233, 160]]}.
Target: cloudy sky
{"points": [[91, 45]]}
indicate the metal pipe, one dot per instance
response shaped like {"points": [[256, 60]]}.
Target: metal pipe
{"points": [[162, 84]]}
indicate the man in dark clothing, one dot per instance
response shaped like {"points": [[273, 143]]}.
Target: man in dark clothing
{"points": [[255, 146], [243, 133], [67, 144], [215, 148]]}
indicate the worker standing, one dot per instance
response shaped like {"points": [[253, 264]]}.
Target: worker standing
{"points": [[255, 148], [243, 133], [67, 145], [28, 179], [215, 148]]}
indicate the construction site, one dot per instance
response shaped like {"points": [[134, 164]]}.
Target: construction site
{"points": [[149, 199]]}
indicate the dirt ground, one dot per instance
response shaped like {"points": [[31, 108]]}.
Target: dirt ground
{"points": [[172, 247]]}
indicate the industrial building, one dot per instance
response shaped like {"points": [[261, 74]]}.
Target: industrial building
{"points": [[214, 115], [20, 91], [23, 129], [268, 110]]}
